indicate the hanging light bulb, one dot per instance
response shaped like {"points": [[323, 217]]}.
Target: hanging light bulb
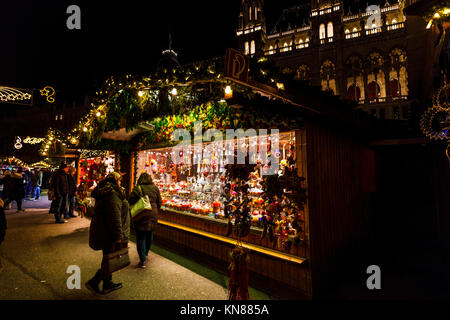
{"points": [[174, 91], [85, 129], [228, 92], [98, 114], [141, 93]]}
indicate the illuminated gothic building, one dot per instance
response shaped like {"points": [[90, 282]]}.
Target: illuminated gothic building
{"points": [[367, 51]]}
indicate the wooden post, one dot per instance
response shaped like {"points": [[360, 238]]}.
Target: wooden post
{"points": [[301, 162], [131, 172]]}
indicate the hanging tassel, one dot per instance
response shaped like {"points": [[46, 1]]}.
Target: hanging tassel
{"points": [[238, 286], [264, 233], [271, 233], [230, 228]]}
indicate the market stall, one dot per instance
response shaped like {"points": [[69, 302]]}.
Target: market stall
{"points": [[296, 222]]}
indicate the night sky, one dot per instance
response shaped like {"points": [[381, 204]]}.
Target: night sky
{"points": [[37, 48]]}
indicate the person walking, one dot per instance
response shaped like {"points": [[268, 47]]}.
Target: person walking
{"points": [[2, 226], [146, 222], [72, 191], [37, 184], [60, 186], [15, 191], [110, 227], [29, 177]]}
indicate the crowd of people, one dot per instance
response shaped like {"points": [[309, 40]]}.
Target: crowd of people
{"points": [[19, 184], [111, 223]]}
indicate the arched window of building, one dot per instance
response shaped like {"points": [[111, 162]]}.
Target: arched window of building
{"points": [[330, 31], [271, 50], [347, 31], [398, 61], [373, 91], [303, 73], [394, 88], [285, 47], [247, 48], [256, 13], [354, 93], [250, 14], [394, 21], [355, 29], [252, 47], [328, 76], [355, 78], [322, 33], [375, 68]]}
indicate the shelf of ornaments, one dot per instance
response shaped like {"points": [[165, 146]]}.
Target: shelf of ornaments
{"points": [[207, 203]]}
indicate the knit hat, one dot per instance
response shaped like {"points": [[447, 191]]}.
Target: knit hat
{"points": [[114, 175]]}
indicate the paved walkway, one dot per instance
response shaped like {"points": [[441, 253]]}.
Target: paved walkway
{"points": [[37, 252]]}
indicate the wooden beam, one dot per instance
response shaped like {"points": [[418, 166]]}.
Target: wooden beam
{"points": [[251, 247]]}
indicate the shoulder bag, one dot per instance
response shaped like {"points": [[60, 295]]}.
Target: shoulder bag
{"points": [[140, 206]]}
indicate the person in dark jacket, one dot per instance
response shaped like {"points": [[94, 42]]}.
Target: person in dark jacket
{"points": [[110, 227], [37, 184], [2, 222], [146, 221], [6, 183], [14, 189], [60, 187], [72, 192], [2, 225]]}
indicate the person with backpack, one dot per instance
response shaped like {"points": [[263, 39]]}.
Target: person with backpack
{"points": [[145, 223]]}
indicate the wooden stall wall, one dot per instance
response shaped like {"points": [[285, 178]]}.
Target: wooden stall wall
{"points": [[339, 209]]}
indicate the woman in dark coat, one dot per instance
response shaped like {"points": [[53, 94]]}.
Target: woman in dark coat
{"points": [[14, 189], [110, 227], [146, 222]]}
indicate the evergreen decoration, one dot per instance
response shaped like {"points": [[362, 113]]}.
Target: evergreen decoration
{"points": [[128, 100]]}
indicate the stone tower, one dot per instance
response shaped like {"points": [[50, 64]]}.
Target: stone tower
{"points": [[251, 32]]}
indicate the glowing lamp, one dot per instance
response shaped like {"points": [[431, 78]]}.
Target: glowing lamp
{"points": [[280, 86], [174, 91], [228, 92], [141, 93], [85, 129]]}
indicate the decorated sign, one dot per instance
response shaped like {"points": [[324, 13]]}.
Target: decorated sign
{"points": [[236, 65]]}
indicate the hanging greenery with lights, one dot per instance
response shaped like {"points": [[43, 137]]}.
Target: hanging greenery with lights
{"points": [[175, 98]]}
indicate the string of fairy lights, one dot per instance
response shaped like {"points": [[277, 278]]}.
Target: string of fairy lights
{"points": [[176, 82]]}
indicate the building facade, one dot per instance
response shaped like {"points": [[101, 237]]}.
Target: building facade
{"points": [[368, 52]]}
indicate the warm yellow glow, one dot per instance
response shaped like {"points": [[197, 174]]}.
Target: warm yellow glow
{"points": [[430, 24], [51, 138], [280, 86], [98, 114], [85, 129], [253, 247], [141, 93], [446, 11], [436, 15], [48, 92], [228, 92], [174, 91], [74, 140]]}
